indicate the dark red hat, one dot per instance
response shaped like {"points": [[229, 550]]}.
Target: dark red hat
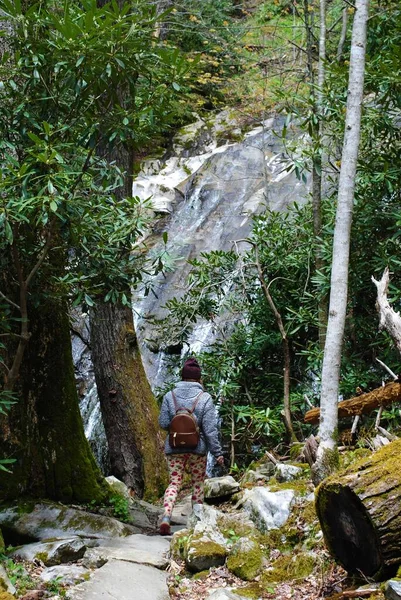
{"points": [[191, 370]]}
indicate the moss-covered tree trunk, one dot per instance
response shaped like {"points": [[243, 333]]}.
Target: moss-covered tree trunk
{"points": [[129, 409], [43, 431], [360, 513]]}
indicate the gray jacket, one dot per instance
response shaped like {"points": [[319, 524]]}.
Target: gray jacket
{"points": [[205, 413]]}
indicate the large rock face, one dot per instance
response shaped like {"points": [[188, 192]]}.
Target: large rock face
{"points": [[211, 192]]}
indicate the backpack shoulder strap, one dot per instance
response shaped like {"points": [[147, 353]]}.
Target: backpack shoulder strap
{"points": [[175, 401], [196, 402]]}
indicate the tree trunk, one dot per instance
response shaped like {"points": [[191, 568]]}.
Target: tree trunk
{"points": [[363, 404], [129, 409], [360, 514], [44, 430], [327, 452], [129, 413]]}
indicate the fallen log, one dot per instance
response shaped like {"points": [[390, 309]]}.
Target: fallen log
{"points": [[363, 404], [360, 514]]}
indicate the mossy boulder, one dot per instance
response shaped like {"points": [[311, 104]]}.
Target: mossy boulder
{"points": [[204, 553], [47, 520], [220, 487], [6, 596], [236, 524], [53, 552], [245, 559], [289, 567]]}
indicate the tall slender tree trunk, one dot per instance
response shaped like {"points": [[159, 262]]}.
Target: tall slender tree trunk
{"points": [[43, 431], [327, 455], [129, 409]]}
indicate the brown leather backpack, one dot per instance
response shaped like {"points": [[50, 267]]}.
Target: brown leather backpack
{"points": [[184, 429]]}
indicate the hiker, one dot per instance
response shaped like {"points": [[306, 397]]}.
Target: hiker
{"points": [[190, 395]]}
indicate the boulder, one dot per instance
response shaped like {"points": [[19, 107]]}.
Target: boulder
{"points": [[51, 520], [5, 583], [245, 559], [261, 472], [54, 552], [220, 487], [143, 514], [139, 549], [118, 486], [204, 552], [285, 473], [268, 510], [238, 523], [65, 574], [203, 516]]}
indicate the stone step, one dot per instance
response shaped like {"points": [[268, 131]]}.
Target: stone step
{"points": [[122, 580]]}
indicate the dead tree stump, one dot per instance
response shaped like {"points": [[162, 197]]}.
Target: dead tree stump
{"points": [[360, 513]]}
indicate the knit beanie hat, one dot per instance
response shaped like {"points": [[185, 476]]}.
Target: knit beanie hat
{"points": [[191, 370]]}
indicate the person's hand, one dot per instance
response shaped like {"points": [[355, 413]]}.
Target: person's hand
{"points": [[220, 460]]}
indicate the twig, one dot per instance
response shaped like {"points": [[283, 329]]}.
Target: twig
{"points": [[386, 434], [379, 416], [9, 301], [393, 375], [355, 424], [271, 458], [308, 402]]}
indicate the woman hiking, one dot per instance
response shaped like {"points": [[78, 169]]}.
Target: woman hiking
{"points": [[188, 397]]}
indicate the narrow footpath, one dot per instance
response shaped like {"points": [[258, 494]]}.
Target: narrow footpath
{"points": [[135, 568]]}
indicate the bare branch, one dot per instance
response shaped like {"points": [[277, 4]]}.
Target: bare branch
{"points": [[393, 375], [9, 301], [390, 320]]}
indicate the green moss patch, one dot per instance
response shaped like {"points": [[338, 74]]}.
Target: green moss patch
{"points": [[252, 590], [245, 560], [289, 567]]}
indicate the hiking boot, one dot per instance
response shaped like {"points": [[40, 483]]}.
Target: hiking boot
{"points": [[165, 528]]}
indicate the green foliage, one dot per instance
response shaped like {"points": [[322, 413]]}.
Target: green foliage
{"points": [[57, 81], [19, 577], [120, 506]]}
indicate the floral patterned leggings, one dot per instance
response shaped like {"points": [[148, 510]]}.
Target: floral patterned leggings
{"points": [[176, 465]]}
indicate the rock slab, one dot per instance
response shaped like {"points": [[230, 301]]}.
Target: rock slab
{"points": [[123, 581], [139, 548]]}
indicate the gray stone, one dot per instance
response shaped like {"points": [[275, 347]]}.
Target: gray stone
{"points": [[139, 549], [67, 574], [123, 581], [393, 590], [219, 487], [5, 582], [269, 510], [285, 473], [52, 553], [50, 520], [223, 594], [118, 486], [261, 472], [182, 511], [143, 514]]}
